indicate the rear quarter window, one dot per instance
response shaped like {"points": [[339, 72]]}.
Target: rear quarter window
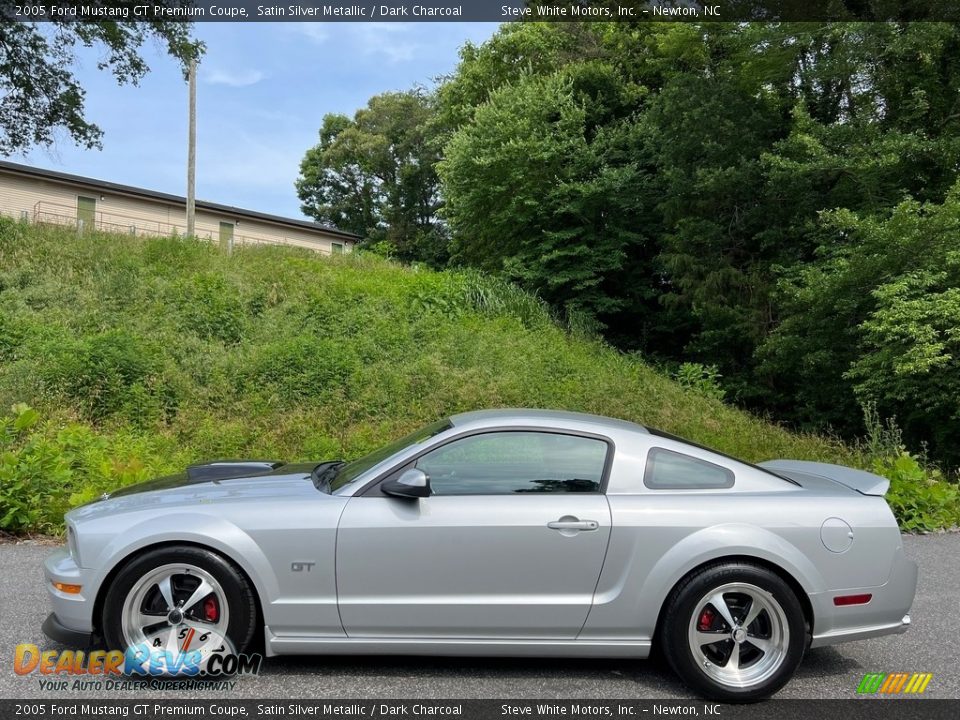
{"points": [[669, 470]]}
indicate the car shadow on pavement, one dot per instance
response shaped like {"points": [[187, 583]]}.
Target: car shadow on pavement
{"points": [[825, 662]]}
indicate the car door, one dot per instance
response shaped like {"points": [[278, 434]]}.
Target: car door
{"points": [[509, 545]]}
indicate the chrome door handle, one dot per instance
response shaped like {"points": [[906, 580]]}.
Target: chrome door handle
{"points": [[573, 525]]}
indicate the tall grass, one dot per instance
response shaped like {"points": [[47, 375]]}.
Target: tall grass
{"points": [[167, 351]]}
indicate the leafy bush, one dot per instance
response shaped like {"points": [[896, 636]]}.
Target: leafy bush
{"points": [[211, 307], [299, 368], [442, 294], [921, 499], [12, 233], [46, 467], [703, 379], [11, 335], [107, 374], [34, 475]]}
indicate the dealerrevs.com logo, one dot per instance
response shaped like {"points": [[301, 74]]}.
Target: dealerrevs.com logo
{"points": [[136, 661], [894, 683]]}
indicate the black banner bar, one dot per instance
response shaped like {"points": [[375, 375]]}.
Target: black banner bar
{"points": [[854, 709], [480, 10]]}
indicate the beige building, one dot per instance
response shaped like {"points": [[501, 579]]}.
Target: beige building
{"points": [[45, 196]]}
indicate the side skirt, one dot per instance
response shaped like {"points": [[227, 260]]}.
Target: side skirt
{"points": [[314, 645]]}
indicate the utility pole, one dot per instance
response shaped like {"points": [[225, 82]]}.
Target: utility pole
{"points": [[192, 153]]}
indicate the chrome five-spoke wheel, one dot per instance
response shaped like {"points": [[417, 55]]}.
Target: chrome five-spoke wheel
{"points": [[739, 634], [734, 631], [179, 607], [175, 608]]}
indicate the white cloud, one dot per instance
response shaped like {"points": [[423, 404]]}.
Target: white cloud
{"points": [[232, 78], [314, 31], [387, 39], [390, 40]]}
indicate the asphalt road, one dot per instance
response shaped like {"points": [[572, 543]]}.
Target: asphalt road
{"points": [[932, 645]]}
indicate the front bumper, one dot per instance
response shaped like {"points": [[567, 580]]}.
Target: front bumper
{"points": [[55, 630], [71, 622], [887, 613]]}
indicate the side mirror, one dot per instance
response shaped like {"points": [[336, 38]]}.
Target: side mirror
{"points": [[412, 483]]}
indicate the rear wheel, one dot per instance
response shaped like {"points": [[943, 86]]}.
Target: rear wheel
{"points": [[734, 631], [178, 606]]}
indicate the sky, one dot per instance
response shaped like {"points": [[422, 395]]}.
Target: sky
{"points": [[262, 91]]}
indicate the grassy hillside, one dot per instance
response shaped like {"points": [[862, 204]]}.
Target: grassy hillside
{"points": [[137, 356]]}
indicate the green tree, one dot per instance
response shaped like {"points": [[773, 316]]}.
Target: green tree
{"points": [[723, 193], [374, 175], [538, 186], [336, 186], [39, 93], [755, 131], [875, 320], [841, 176], [515, 51], [707, 137]]}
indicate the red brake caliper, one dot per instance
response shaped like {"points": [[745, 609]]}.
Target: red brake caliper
{"points": [[706, 620], [211, 613]]}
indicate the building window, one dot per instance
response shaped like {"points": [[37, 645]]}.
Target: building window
{"points": [[336, 248], [226, 236], [86, 212]]}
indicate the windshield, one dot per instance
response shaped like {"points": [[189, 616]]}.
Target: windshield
{"points": [[351, 471]]}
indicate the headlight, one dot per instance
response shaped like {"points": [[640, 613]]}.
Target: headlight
{"points": [[72, 544]]}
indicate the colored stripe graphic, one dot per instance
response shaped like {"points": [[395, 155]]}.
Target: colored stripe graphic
{"points": [[894, 683], [924, 680], [871, 682]]}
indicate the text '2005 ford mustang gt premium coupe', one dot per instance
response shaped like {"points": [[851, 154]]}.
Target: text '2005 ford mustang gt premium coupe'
{"points": [[501, 532]]}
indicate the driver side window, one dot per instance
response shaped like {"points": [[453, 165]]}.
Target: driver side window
{"points": [[503, 463]]}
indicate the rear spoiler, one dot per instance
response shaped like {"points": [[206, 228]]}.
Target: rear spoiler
{"points": [[860, 480]]}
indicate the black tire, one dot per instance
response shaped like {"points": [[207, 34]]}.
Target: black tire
{"points": [[784, 615], [238, 593]]}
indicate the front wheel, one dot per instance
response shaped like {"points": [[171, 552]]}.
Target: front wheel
{"points": [[176, 607], [734, 632]]}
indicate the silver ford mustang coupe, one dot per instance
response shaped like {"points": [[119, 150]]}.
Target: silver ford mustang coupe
{"points": [[501, 532]]}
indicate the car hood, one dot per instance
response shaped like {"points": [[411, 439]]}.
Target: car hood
{"points": [[201, 487], [216, 471]]}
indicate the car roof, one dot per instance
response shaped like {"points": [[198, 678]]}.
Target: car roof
{"points": [[517, 416]]}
